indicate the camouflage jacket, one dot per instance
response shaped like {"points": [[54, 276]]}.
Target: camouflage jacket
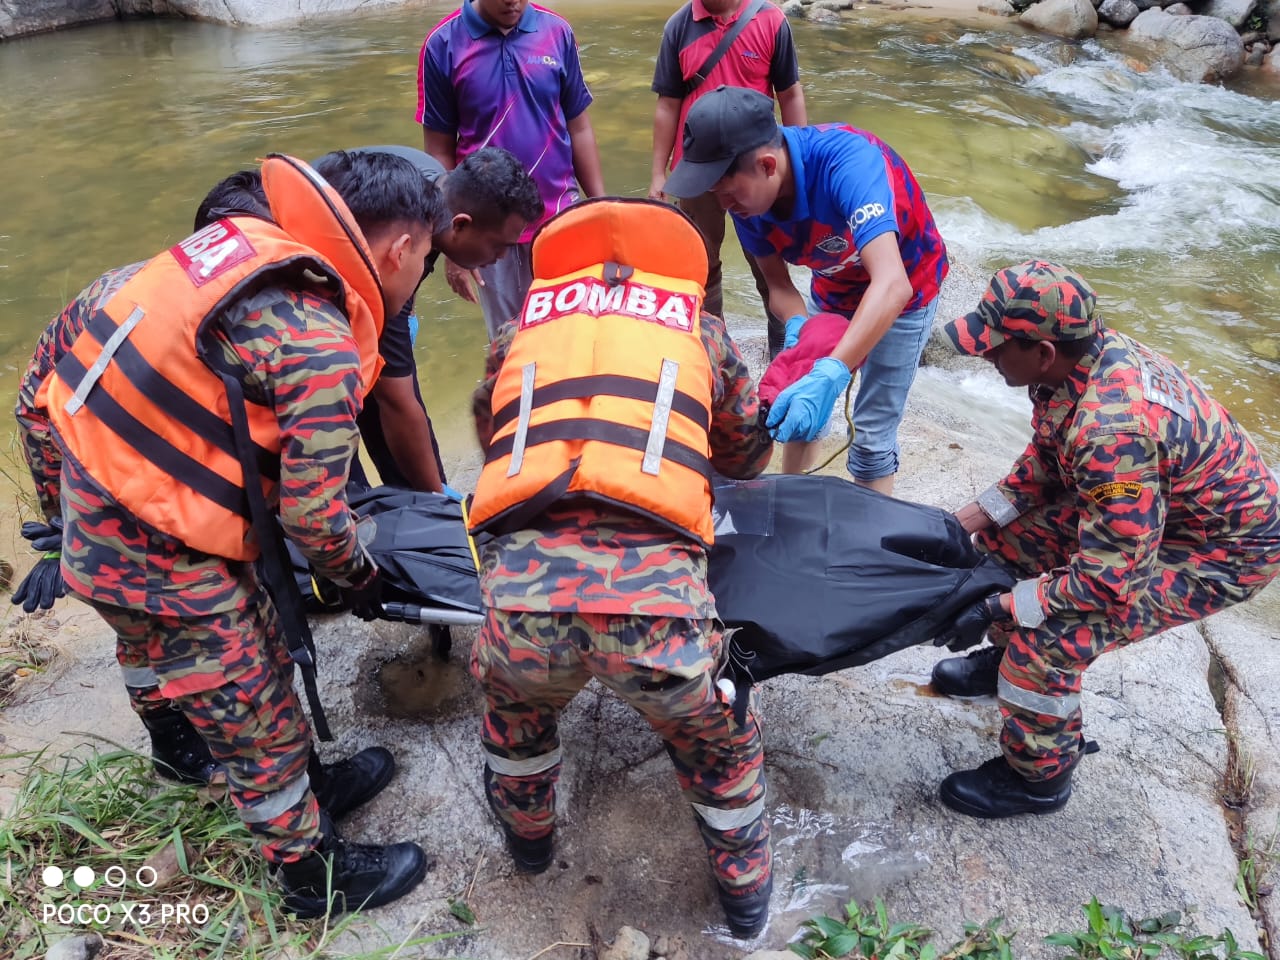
{"points": [[579, 558], [293, 351], [1149, 458]]}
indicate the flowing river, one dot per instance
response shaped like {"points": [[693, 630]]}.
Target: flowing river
{"points": [[1165, 194]]}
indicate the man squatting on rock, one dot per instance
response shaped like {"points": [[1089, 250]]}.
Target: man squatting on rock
{"points": [[1138, 505]]}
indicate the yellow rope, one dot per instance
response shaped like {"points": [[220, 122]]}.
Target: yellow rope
{"points": [[848, 418], [466, 526]]}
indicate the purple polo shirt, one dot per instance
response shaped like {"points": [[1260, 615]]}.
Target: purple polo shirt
{"points": [[516, 91]]}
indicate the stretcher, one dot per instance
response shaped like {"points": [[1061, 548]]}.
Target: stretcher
{"points": [[813, 573]]}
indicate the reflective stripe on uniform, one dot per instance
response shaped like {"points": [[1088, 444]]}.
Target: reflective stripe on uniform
{"points": [[996, 506], [528, 374], [1060, 707], [99, 366], [140, 678], [717, 818], [661, 417], [1027, 608], [522, 768], [276, 804]]}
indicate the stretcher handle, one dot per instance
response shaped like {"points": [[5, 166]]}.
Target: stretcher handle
{"points": [[416, 613]]}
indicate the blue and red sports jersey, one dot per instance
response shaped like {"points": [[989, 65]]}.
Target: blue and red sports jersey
{"points": [[850, 188], [517, 91]]}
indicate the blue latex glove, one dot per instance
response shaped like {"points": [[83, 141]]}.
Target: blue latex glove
{"points": [[452, 494], [801, 410], [792, 336], [413, 328]]}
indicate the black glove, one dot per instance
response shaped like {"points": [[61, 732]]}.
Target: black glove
{"points": [[365, 598], [970, 624], [44, 584]]}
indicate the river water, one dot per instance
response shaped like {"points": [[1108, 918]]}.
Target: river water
{"points": [[1166, 195]]}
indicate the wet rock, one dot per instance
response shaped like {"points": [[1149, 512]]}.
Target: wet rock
{"points": [[84, 946], [1235, 12], [1118, 13], [823, 15], [1179, 10], [1194, 48], [1072, 19], [1250, 38], [628, 944], [794, 9], [1271, 62], [1255, 56], [1273, 23], [999, 8]]}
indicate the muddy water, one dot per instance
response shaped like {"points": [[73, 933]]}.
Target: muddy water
{"points": [[1165, 194]]}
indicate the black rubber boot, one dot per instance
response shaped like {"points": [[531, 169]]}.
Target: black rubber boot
{"points": [[996, 790], [177, 750], [339, 876], [748, 914], [973, 675], [343, 786], [530, 856]]}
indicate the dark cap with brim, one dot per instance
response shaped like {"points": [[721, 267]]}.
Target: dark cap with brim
{"points": [[721, 126], [1034, 300]]}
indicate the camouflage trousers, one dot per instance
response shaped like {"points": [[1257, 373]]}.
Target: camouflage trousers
{"points": [[244, 707], [1040, 674], [531, 665]]}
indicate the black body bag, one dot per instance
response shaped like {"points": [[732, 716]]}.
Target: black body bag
{"points": [[820, 574]]}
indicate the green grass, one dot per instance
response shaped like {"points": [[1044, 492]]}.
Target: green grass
{"points": [[1107, 935], [106, 809]]}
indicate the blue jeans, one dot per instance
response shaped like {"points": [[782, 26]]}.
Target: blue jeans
{"points": [[883, 386]]}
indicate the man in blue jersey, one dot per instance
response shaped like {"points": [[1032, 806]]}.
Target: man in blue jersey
{"points": [[839, 201]]}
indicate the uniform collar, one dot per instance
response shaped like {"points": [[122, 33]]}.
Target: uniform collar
{"points": [[478, 26]]}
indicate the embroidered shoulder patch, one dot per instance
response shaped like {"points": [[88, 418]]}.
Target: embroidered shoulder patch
{"points": [[1115, 490]]}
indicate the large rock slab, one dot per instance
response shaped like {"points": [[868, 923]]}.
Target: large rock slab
{"points": [[1071, 19], [21, 17], [1193, 48]]}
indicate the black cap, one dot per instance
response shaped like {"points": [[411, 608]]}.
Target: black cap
{"points": [[721, 126]]}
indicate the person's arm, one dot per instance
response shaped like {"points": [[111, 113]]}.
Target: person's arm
{"points": [[882, 303], [312, 378], [666, 118], [1122, 516], [784, 299], [407, 433], [740, 449], [791, 103], [442, 146], [784, 74], [586, 157]]}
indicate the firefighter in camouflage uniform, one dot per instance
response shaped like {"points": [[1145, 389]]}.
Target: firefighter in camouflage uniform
{"points": [[608, 403], [1138, 505], [125, 426]]}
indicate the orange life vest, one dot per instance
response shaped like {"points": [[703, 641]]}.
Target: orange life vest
{"points": [[134, 401], [606, 390]]}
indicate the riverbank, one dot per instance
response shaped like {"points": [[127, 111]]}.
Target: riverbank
{"points": [[853, 762]]}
